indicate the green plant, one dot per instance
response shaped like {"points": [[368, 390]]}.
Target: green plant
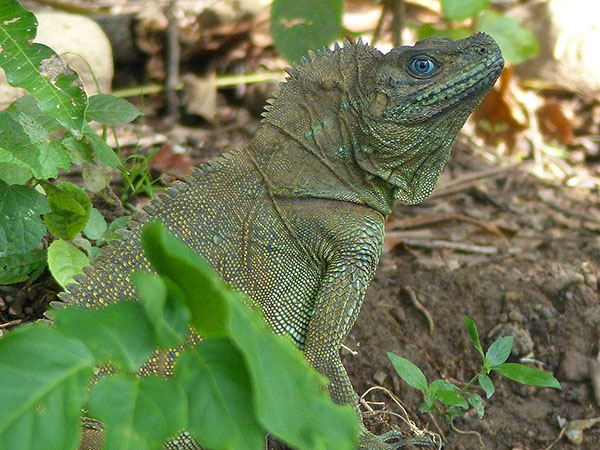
{"points": [[42, 133], [453, 401], [240, 382]]}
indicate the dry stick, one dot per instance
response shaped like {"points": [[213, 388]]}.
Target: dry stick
{"points": [[476, 433], [222, 81], [397, 21], [405, 418], [558, 438], [379, 27], [420, 307], [467, 181], [11, 323], [439, 243], [173, 58]]}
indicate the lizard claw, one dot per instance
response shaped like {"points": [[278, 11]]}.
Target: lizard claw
{"points": [[392, 440]]}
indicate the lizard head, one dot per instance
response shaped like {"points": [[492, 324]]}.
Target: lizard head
{"points": [[418, 99]]}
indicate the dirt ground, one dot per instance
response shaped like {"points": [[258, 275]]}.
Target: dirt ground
{"points": [[517, 254], [541, 286]]}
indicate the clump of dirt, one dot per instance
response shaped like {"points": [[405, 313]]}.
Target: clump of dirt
{"points": [[536, 280]]}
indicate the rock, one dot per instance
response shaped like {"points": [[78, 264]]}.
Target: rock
{"points": [[574, 366], [522, 342], [568, 33], [77, 39]]}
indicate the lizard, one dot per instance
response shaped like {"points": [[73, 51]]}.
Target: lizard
{"points": [[295, 217]]}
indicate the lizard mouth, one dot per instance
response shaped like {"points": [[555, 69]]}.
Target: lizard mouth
{"points": [[475, 79]]}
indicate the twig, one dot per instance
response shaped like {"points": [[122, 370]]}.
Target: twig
{"points": [[467, 181], [405, 418], [473, 432], [353, 352], [438, 243], [173, 58], [397, 21], [558, 438], [11, 323], [417, 304], [222, 81], [379, 26]]}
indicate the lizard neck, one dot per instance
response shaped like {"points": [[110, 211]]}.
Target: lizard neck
{"points": [[311, 153]]}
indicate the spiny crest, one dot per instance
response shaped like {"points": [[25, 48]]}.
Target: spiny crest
{"points": [[298, 69]]}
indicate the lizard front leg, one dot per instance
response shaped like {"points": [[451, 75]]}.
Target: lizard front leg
{"points": [[351, 263]]}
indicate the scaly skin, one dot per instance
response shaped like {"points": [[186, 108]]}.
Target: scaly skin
{"points": [[295, 218]]}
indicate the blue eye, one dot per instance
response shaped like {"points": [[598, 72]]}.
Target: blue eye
{"points": [[422, 66]]}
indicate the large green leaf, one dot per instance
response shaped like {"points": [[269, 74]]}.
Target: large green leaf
{"points": [[21, 227], [288, 394], [20, 266], [110, 334], [24, 142], [221, 412], [297, 26], [38, 69], [70, 206], [45, 382], [138, 413], [65, 261]]}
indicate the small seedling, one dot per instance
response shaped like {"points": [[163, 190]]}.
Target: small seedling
{"points": [[453, 401]]}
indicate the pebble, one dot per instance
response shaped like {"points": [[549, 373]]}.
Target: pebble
{"points": [[574, 366]]}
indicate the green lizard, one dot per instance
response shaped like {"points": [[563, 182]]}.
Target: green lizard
{"points": [[295, 218]]}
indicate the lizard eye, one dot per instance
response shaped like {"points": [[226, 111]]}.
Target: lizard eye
{"points": [[422, 66]]}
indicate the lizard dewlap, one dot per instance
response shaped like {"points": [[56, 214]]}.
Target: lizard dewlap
{"points": [[295, 218]]}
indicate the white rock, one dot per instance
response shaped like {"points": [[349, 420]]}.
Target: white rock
{"points": [[77, 39]]}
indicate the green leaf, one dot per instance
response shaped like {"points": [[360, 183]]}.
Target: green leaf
{"points": [[202, 286], [164, 306], [36, 68], [476, 402], [138, 413], [96, 225], [527, 375], [451, 398], [288, 390], [111, 110], [21, 228], [102, 150], [498, 352], [78, 149], [458, 10], [70, 206], [25, 143], [45, 382], [221, 412], [288, 394], [441, 385], [20, 266], [473, 334], [119, 333], [486, 384], [65, 261], [410, 373], [297, 27], [518, 44]]}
